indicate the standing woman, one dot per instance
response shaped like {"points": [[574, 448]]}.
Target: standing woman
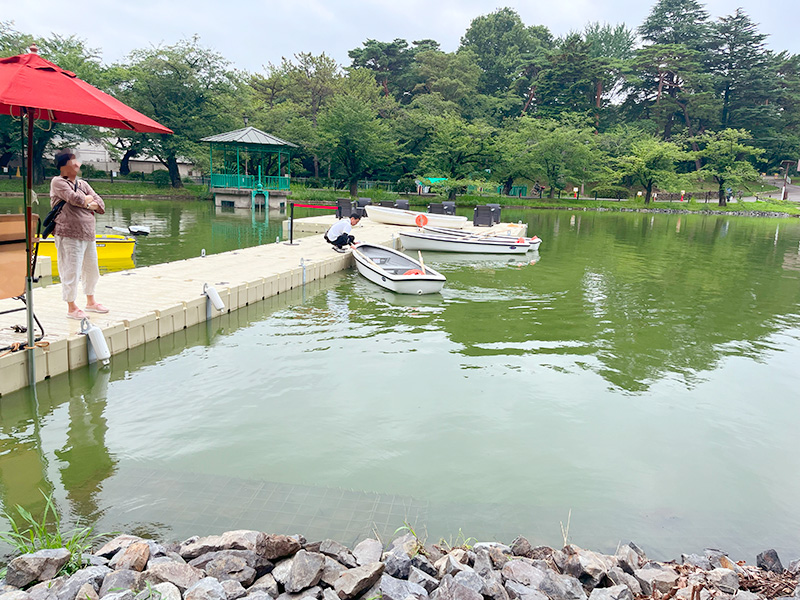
{"points": [[75, 234]]}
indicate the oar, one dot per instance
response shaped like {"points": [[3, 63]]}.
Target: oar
{"points": [[421, 262], [120, 229]]}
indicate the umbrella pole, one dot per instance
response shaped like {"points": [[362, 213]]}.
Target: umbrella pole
{"points": [[27, 174]]}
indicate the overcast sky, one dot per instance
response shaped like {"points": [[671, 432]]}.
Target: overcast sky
{"points": [[251, 33]]}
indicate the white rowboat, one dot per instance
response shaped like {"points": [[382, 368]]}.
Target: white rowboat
{"points": [[534, 241], [395, 271], [412, 218], [436, 242]]}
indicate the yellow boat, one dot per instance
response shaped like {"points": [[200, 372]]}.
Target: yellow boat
{"points": [[112, 250]]}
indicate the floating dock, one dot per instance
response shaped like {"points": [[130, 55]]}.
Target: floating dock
{"points": [[148, 303]]}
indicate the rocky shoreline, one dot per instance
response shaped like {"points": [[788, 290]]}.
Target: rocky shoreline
{"points": [[253, 565]]}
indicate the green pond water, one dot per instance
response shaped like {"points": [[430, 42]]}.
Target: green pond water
{"points": [[636, 379]]}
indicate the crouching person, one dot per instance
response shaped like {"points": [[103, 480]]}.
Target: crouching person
{"points": [[339, 235]]}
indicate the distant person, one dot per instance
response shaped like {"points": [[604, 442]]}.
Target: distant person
{"points": [[339, 234], [75, 234]]}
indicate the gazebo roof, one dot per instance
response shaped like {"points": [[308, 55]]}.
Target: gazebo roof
{"points": [[248, 135]]}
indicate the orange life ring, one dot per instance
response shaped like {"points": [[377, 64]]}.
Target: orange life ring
{"points": [[414, 271], [421, 220]]}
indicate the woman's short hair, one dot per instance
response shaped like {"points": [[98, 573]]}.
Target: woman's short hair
{"points": [[63, 157]]}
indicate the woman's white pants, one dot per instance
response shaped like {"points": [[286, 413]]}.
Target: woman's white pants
{"points": [[77, 259]]}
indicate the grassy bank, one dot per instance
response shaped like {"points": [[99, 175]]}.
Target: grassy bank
{"points": [[190, 191]]}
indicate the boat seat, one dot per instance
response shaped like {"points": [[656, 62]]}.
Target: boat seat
{"points": [[496, 213], [386, 203], [360, 204], [483, 216], [13, 261], [436, 208], [449, 207], [402, 204], [344, 208]]}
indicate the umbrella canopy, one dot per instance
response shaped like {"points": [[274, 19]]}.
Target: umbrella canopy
{"points": [[28, 81], [35, 88]]}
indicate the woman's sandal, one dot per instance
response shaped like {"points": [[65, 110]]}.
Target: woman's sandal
{"points": [[77, 314], [97, 308]]}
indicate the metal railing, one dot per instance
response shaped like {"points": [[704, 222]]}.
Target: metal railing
{"points": [[249, 182]]}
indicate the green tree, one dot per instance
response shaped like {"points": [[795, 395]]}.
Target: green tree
{"points": [[355, 138], [726, 158], [650, 163], [555, 151], [186, 87], [391, 62], [677, 22]]}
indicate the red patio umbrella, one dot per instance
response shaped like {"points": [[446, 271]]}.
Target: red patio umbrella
{"points": [[34, 88]]}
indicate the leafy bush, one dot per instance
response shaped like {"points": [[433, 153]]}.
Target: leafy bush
{"points": [[406, 185], [31, 535], [161, 178]]}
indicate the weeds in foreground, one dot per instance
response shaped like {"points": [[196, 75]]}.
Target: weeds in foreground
{"points": [[419, 544], [461, 541], [565, 531], [29, 535]]}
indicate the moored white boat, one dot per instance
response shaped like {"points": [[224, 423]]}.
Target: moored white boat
{"points": [[424, 240], [412, 218], [396, 271], [533, 242]]}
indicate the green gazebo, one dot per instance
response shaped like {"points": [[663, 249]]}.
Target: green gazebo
{"points": [[248, 163]]}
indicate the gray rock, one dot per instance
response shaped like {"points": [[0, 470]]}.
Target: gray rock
{"points": [[161, 591], [47, 590], [561, 587], [354, 581], [628, 559], [92, 575], [745, 595], [586, 566], [493, 587], [231, 568], [517, 591], [279, 546], [483, 563], [329, 594], [522, 571], [305, 572], [449, 589], [207, 588], [338, 552], [122, 595], [421, 562], [470, 579], [134, 557], [794, 567], [118, 543], [331, 571], [38, 566], [233, 589], [695, 560], [720, 559], [421, 578], [496, 545], [258, 595], [725, 580], [619, 577], [500, 558], [660, 579], [309, 594], [281, 570], [398, 563], [261, 565], [617, 592], [266, 584], [769, 561], [120, 580], [391, 588], [522, 547], [450, 565], [367, 551], [92, 560], [181, 575], [242, 539], [15, 595]]}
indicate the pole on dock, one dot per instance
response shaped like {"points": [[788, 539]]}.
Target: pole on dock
{"points": [[291, 241]]}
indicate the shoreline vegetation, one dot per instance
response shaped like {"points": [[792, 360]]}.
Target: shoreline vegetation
{"points": [[259, 566], [767, 207]]}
